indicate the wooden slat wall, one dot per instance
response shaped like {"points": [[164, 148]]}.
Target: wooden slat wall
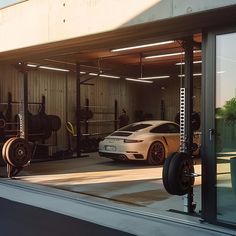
{"points": [[52, 85], [102, 96], [60, 91], [9, 82]]}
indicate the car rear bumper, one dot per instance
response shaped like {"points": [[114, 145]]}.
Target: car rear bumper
{"points": [[122, 156]]}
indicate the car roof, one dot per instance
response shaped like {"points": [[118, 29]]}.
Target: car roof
{"points": [[154, 122]]}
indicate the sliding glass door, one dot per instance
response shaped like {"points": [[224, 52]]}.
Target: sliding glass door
{"points": [[219, 128], [225, 120]]}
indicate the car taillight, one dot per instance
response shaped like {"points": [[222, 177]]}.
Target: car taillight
{"points": [[132, 141]]}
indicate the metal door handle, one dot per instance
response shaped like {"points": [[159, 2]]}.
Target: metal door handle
{"points": [[211, 133]]}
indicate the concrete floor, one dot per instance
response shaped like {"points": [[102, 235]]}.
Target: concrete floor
{"points": [[129, 184], [109, 193]]}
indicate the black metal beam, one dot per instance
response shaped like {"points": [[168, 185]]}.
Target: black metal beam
{"points": [[116, 115], [188, 84], [209, 201], [24, 102], [78, 140]]}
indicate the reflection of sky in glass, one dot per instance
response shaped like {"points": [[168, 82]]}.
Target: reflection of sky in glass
{"points": [[226, 66], [4, 3]]}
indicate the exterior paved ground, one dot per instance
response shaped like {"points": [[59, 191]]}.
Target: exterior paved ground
{"points": [[126, 196], [133, 184], [24, 220]]}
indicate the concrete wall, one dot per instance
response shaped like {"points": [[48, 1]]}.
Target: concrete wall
{"points": [[35, 22]]}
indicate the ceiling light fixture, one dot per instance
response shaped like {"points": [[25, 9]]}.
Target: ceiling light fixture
{"points": [[164, 55], [109, 76], [53, 68], [156, 77], [94, 74], [32, 65], [142, 46], [169, 54], [139, 80], [196, 74], [182, 63]]}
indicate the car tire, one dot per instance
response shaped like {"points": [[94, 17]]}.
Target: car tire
{"points": [[156, 154]]}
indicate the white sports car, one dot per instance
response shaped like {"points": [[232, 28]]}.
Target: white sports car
{"points": [[151, 140]]}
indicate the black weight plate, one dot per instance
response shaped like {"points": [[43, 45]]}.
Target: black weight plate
{"points": [[47, 133], [2, 127], [2, 123], [35, 124], [55, 122], [165, 172], [196, 120], [180, 167], [82, 114], [89, 114], [46, 125], [18, 152]]}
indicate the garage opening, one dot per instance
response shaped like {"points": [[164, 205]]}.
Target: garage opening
{"points": [[124, 104]]}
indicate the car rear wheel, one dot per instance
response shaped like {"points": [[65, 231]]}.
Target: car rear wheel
{"points": [[156, 154]]}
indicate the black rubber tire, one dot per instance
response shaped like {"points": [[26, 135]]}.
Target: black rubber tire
{"points": [[178, 182], [156, 154], [55, 122], [165, 172]]}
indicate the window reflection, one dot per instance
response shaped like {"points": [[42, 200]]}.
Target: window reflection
{"points": [[226, 126]]}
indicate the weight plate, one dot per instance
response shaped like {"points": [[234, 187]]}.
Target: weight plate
{"points": [[4, 149], [2, 123], [179, 174], [165, 172], [35, 124], [196, 120], [46, 125], [85, 114], [18, 152], [55, 122]]}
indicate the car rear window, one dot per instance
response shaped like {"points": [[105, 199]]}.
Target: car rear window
{"points": [[135, 127], [123, 134]]}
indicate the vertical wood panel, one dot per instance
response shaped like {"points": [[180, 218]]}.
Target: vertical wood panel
{"points": [[130, 96]]}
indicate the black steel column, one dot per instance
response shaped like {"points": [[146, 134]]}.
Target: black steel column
{"points": [[209, 197], [116, 115], [188, 84], [24, 103], [86, 114], [78, 142]]}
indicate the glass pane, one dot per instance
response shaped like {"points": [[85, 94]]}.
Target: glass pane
{"points": [[5, 3], [226, 127]]}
